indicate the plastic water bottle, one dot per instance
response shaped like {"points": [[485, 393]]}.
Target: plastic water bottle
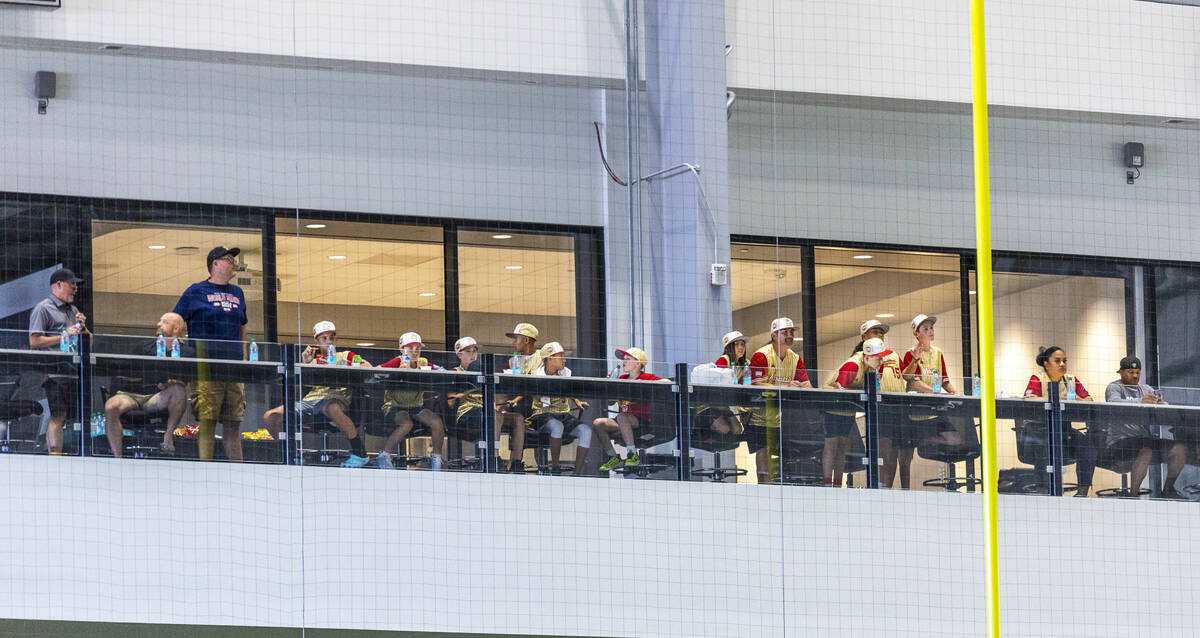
{"points": [[253, 350], [615, 372], [879, 381], [976, 386], [174, 347], [64, 341], [160, 345], [745, 380], [331, 355], [405, 361], [937, 382], [1070, 381], [75, 337], [515, 363]]}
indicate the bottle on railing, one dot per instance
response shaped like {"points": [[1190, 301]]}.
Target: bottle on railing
{"points": [[160, 345], [331, 355], [253, 349], [64, 341], [615, 372], [879, 381], [937, 382], [514, 363], [405, 360], [745, 372], [174, 347], [976, 386], [75, 337], [1070, 381]]}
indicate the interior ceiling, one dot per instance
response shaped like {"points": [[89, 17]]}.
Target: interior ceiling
{"points": [[384, 273]]}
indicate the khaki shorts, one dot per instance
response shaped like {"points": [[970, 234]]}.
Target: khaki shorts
{"points": [[223, 401]]}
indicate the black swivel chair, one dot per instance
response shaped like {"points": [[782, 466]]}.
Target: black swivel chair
{"points": [[147, 426], [12, 409], [966, 452], [703, 439]]}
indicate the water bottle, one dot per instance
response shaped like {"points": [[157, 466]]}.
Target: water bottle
{"points": [[937, 382], [175, 347], [75, 337], [976, 386], [745, 380], [615, 372], [1070, 381], [253, 350], [331, 355], [515, 363], [64, 341], [879, 381], [160, 345], [405, 361]]}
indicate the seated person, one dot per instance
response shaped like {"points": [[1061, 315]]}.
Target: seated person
{"points": [[1136, 439], [330, 402], [1053, 361], [629, 416], [171, 396], [874, 357], [468, 406], [402, 407], [514, 411], [553, 415]]}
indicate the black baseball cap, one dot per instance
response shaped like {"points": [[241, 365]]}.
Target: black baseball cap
{"points": [[64, 275], [219, 252], [1130, 363]]}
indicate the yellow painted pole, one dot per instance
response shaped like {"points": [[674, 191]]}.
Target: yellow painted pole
{"points": [[983, 301]]}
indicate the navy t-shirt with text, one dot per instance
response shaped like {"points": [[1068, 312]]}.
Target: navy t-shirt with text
{"points": [[214, 312]]}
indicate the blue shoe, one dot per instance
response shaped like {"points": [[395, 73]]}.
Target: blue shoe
{"points": [[355, 461]]}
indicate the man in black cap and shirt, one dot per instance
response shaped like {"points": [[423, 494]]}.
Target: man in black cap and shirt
{"points": [[215, 312], [1124, 440], [49, 318]]}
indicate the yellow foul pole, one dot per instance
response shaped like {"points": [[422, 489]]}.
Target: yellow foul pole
{"points": [[983, 301]]}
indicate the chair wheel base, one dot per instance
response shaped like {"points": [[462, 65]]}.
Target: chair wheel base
{"points": [[1121, 492], [952, 484], [719, 474]]}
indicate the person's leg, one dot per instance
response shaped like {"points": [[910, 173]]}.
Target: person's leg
{"points": [[626, 423], [59, 398], [404, 425], [175, 398], [556, 428], [273, 421], [116, 405], [601, 428], [437, 437], [583, 445], [1137, 470], [887, 452], [1176, 457], [233, 410], [336, 413], [205, 438], [516, 441], [905, 455]]}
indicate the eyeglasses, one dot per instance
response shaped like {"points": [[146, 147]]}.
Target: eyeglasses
{"points": [[229, 260]]}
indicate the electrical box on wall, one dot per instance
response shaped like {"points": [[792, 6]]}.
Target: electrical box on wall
{"points": [[1135, 155], [719, 274]]}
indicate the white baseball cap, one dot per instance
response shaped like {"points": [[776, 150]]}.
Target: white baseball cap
{"points": [[781, 324], [552, 348], [409, 338], [731, 337], [873, 323], [323, 327], [875, 348], [462, 344], [920, 319]]}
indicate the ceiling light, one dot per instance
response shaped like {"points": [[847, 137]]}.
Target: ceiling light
{"points": [[886, 315], [427, 294], [337, 256], [862, 256], [743, 250], [513, 267], [314, 225], [970, 292], [501, 236], [156, 247], [365, 344]]}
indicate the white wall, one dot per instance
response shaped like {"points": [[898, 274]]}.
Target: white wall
{"points": [[172, 542]]}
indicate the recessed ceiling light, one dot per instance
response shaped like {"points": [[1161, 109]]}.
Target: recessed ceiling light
{"points": [[886, 315], [970, 292], [314, 225], [156, 247], [427, 294], [337, 256], [863, 256], [743, 250], [513, 267], [501, 236], [365, 344]]}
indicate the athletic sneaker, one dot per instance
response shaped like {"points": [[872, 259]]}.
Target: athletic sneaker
{"points": [[611, 463], [384, 461], [356, 461], [435, 462], [632, 460]]}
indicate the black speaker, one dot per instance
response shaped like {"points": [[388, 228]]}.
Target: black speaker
{"points": [[45, 84]]}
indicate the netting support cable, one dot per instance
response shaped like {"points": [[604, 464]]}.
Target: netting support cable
{"points": [[983, 269]]}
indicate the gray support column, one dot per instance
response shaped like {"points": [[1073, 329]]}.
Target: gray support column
{"points": [[684, 121]]}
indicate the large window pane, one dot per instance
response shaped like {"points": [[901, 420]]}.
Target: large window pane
{"points": [[766, 283]]}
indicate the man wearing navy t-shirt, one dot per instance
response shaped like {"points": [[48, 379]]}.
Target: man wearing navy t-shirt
{"points": [[215, 312]]}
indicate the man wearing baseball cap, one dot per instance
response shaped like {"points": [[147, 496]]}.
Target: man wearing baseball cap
{"points": [[514, 411], [50, 317], [554, 414], [773, 364], [330, 402], [1137, 440], [630, 415], [878, 358], [468, 406], [403, 407]]}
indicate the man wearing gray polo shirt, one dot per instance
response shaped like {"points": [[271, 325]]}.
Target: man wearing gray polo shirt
{"points": [[1136, 440], [49, 318]]}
